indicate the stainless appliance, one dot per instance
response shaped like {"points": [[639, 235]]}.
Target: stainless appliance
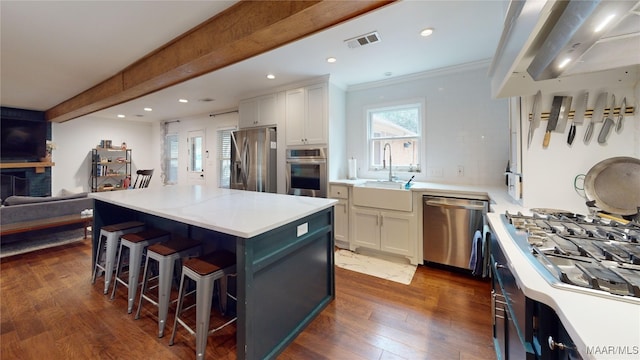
{"points": [[449, 225], [307, 172], [575, 252], [254, 159]]}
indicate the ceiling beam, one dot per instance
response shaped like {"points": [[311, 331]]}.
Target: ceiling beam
{"points": [[244, 30]]}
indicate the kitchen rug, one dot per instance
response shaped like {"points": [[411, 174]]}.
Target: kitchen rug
{"points": [[384, 269]]}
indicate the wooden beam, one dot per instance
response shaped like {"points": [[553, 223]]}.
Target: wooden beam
{"points": [[242, 31]]}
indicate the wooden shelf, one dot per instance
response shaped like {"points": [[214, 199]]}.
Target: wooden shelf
{"points": [[39, 166]]}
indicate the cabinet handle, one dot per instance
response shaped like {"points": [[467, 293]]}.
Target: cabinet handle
{"points": [[499, 266], [553, 345]]}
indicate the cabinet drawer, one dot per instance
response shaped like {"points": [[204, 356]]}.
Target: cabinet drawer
{"points": [[339, 192]]}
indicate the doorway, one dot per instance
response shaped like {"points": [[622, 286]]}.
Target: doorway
{"points": [[196, 152]]}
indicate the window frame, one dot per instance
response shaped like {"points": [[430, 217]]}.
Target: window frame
{"points": [[418, 103]]}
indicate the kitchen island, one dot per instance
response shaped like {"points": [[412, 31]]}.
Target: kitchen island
{"points": [[283, 245]]}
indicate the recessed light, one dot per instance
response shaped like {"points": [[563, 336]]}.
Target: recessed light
{"points": [[331, 60], [604, 23], [121, 116], [183, 100], [388, 73], [564, 63], [148, 109], [426, 32], [271, 76]]}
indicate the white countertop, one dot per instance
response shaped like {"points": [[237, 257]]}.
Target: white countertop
{"points": [[235, 212], [592, 321]]}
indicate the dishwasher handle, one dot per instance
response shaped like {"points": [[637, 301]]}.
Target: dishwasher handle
{"points": [[467, 205]]}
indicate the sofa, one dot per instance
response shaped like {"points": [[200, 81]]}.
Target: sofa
{"points": [[19, 210]]}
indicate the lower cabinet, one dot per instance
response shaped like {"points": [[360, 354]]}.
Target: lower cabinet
{"points": [[340, 214], [523, 328], [388, 231], [341, 222]]}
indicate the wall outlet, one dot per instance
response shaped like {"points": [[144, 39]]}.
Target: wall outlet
{"points": [[460, 170], [436, 172]]}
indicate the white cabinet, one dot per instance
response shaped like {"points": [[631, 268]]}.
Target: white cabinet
{"points": [[306, 115], [258, 111], [340, 214], [389, 231]]}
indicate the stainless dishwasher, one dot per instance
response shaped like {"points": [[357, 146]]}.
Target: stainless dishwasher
{"points": [[449, 225]]}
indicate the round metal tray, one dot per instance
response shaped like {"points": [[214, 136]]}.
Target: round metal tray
{"points": [[614, 184]]}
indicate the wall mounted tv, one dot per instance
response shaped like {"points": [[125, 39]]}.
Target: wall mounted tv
{"points": [[22, 140]]}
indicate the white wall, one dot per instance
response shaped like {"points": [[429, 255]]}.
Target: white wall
{"points": [[75, 139], [464, 126], [199, 122], [549, 173]]}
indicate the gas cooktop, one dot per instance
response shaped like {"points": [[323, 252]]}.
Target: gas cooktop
{"points": [[596, 254]]}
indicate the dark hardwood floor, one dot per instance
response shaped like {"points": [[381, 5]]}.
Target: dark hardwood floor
{"points": [[50, 310]]}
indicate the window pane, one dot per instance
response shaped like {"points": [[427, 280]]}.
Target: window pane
{"points": [[171, 160], [399, 127], [395, 123], [224, 157], [196, 154]]}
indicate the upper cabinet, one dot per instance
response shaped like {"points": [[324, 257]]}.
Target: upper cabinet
{"points": [[306, 115], [259, 111]]}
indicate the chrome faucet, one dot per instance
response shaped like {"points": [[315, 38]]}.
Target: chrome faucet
{"points": [[384, 155]]}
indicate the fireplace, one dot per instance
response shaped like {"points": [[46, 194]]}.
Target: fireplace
{"points": [[13, 183]]}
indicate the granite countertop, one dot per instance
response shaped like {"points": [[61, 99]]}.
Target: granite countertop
{"points": [[592, 321], [235, 212]]}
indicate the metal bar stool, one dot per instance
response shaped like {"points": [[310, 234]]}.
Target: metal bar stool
{"points": [[166, 254], [137, 244], [109, 239], [205, 271]]}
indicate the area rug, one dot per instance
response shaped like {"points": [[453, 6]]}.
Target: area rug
{"points": [[384, 269], [39, 242]]}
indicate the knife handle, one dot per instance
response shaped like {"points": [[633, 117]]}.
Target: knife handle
{"points": [[572, 134], [547, 138]]}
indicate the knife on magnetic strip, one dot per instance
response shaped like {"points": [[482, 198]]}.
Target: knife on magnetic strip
{"points": [[556, 105], [596, 116], [578, 115], [535, 116]]}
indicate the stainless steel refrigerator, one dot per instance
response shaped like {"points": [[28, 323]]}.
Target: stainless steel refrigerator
{"points": [[253, 159]]}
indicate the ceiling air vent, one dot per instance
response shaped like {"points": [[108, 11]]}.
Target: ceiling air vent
{"points": [[362, 40]]}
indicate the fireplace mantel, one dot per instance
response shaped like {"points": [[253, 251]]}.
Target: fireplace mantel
{"points": [[39, 166]]}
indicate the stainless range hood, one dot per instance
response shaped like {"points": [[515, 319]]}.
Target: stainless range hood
{"points": [[538, 36], [573, 29]]}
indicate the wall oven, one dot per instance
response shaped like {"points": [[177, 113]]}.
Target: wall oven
{"points": [[307, 172]]}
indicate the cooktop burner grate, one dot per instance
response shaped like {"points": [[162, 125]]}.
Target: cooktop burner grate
{"points": [[588, 253]]}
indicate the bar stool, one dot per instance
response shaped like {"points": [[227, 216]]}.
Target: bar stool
{"points": [[109, 238], [205, 271], [166, 254], [137, 243]]}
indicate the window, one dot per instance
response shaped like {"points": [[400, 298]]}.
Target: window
{"points": [[400, 127], [171, 159], [224, 157]]}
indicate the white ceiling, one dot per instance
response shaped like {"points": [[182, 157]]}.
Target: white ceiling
{"points": [[53, 50]]}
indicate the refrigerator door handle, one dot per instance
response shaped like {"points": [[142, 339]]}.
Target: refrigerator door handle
{"points": [[245, 158]]}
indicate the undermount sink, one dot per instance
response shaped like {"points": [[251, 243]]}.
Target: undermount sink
{"points": [[385, 184]]}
